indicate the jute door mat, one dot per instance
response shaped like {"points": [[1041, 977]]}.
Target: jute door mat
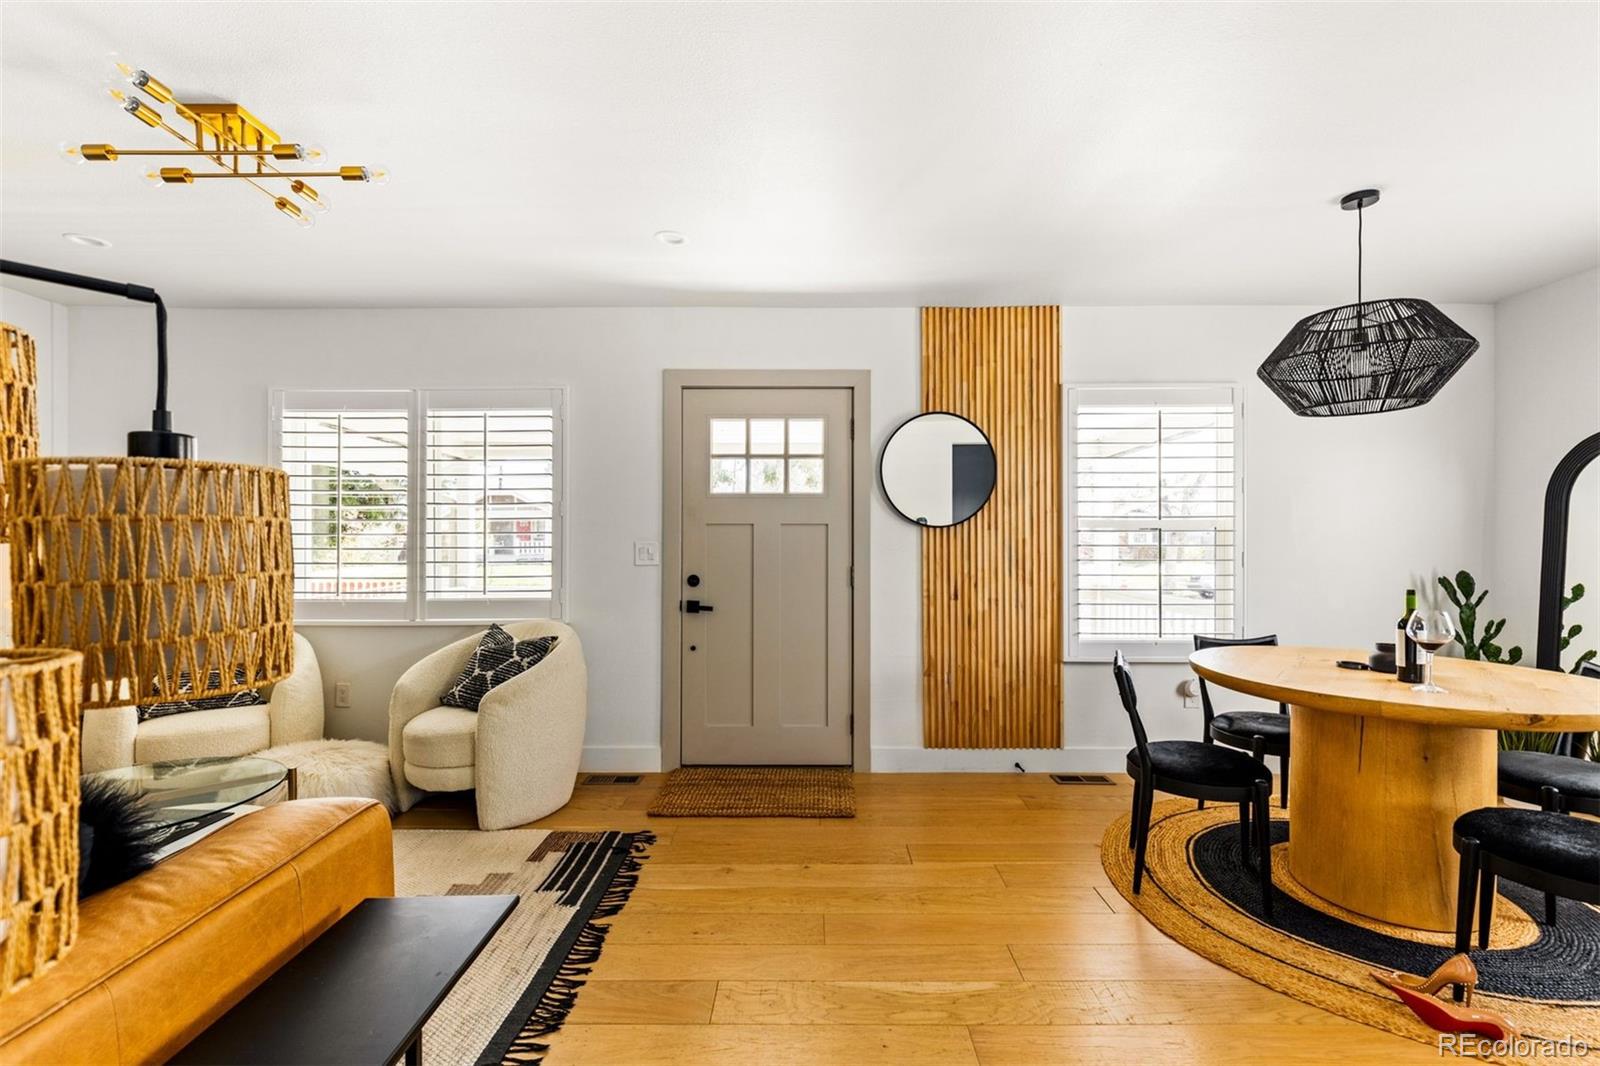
{"points": [[756, 792]]}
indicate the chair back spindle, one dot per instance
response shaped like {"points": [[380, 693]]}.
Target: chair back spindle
{"points": [[1130, 703]]}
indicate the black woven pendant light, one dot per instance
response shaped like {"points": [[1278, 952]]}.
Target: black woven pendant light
{"points": [[1369, 356]]}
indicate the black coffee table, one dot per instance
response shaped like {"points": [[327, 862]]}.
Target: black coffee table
{"points": [[362, 991]]}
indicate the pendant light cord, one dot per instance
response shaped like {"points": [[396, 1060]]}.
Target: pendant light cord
{"points": [[1361, 214]]}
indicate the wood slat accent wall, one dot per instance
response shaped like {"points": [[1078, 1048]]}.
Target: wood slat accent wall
{"points": [[991, 587]]}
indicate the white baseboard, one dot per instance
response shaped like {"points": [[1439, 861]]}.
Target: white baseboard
{"points": [[621, 759], [998, 760]]}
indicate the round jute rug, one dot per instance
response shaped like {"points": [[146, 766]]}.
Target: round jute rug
{"points": [[1545, 979]]}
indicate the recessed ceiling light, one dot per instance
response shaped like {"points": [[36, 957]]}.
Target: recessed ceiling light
{"points": [[85, 240], [671, 236]]}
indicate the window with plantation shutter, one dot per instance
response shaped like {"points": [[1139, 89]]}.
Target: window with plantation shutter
{"points": [[349, 463], [490, 503], [423, 505], [1154, 538]]}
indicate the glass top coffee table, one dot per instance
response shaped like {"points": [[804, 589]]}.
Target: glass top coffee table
{"points": [[185, 796]]}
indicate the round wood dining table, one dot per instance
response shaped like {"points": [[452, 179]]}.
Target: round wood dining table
{"points": [[1380, 773]]}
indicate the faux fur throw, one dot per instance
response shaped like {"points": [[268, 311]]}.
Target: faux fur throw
{"points": [[338, 768]]}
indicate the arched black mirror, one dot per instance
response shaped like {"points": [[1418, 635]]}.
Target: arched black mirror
{"points": [[937, 469]]}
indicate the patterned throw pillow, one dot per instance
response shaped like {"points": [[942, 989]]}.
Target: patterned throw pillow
{"points": [[248, 698], [497, 659]]}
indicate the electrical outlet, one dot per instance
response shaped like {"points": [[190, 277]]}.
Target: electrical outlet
{"points": [[341, 694], [646, 553]]}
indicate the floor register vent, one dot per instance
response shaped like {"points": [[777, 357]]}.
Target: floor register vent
{"points": [[611, 779], [1080, 779]]}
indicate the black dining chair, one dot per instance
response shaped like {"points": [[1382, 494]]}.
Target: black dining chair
{"points": [[1258, 732], [1196, 771], [1524, 775], [1549, 852], [1557, 781]]}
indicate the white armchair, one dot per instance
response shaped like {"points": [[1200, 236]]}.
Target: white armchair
{"points": [[520, 750], [114, 736]]}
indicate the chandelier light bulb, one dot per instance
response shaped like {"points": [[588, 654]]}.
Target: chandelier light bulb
{"points": [[309, 195], [289, 207], [152, 178], [378, 174], [313, 153], [70, 152]]}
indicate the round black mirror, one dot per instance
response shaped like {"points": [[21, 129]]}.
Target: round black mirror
{"points": [[937, 469]]}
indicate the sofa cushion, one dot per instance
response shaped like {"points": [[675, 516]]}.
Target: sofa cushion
{"points": [[163, 955], [444, 737], [229, 731], [497, 659]]}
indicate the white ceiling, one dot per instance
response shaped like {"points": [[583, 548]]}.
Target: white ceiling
{"points": [[869, 154]]}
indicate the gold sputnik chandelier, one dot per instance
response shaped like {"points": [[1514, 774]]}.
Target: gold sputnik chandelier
{"points": [[240, 146]]}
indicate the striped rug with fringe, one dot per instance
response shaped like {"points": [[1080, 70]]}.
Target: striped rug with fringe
{"points": [[524, 984]]}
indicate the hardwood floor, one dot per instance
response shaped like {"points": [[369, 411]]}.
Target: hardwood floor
{"points": [[959, 918]]}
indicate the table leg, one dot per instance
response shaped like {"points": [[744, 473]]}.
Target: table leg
{"points": [[292, 781], [1374, 805], [414, 1052]]}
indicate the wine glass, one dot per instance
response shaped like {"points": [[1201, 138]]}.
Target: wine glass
{"points": [[1432, 629]]}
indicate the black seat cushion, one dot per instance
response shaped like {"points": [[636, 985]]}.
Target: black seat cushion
{"points": [[1555, 843], [1533, 770], [1273, 728], [1203, 764]]}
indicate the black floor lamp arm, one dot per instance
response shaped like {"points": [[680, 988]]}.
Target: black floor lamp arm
{"points": [[160, 441]]}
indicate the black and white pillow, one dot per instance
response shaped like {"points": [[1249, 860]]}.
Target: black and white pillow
{"points": [[248, 698], [497, 659]]}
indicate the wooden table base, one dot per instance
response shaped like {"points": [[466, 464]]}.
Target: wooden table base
{"points": [[1372, 802]]}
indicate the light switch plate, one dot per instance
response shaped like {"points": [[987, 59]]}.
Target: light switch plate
{"points": [[646, 553], [341, 694]]}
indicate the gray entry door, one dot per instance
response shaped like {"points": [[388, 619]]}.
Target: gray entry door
{"points": [[765, 586]]}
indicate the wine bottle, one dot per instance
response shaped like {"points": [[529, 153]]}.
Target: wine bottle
{"points": [[1407, 664]]}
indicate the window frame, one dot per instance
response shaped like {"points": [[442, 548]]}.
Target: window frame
{"points": [[1171, 649], [417, 609]]}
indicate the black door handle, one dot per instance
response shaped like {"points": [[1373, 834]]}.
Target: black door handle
{"points": [[696, 607]]}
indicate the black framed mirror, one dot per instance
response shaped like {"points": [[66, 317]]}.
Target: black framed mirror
{"points": [[1553, 557], [937, 469]]}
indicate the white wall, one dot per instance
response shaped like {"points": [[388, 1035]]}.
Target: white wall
{"points": [[1339, 517], [1335, 529], [224, 363], [1547, 398]]}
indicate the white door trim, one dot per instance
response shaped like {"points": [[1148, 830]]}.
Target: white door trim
{"points": [[674, 382]]}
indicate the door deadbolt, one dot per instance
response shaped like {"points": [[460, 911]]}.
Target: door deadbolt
{"points": [[693, 581]]}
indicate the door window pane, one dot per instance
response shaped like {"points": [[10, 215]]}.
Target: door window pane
{"points": [[805, 476], [727, 436], [805, 436], [727, 476], [766, 436], [766, 475]]}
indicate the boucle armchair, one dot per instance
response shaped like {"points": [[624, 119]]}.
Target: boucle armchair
{"points": [[520, 750], [114, 736]]}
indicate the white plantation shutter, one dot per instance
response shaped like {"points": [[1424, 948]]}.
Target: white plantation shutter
{"points": [[1153, 531], [491, 502], [412, 505], [348, 456]]}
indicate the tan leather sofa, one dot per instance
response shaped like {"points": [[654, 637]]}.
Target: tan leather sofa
{"points": [[160, 957]]}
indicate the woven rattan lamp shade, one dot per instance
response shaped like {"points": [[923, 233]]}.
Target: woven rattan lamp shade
{"points": [[39, 692], [154, 568], [1381, 355], [19, 405]]}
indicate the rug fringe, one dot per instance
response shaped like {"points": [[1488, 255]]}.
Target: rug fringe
{"points": [[550, 1013]]}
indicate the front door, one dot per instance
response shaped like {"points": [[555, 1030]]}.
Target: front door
{"points": [[765, 587]]}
